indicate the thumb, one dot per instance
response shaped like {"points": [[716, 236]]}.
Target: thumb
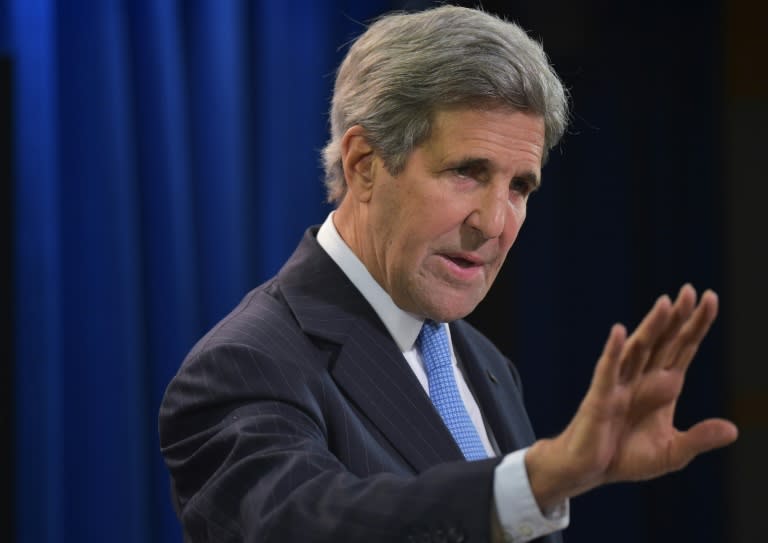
{"points": [[702, 437]]}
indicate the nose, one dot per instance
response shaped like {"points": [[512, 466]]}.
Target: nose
{"points": [[489, 213]]}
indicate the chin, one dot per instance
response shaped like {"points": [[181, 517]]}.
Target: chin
{"points": [[445, 303], [451, 312]]}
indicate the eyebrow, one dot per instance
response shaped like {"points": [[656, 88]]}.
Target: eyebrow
{"points": [[475, 162]]}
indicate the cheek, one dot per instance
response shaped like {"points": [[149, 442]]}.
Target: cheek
{"points": [[515, 220], [431, 224]]}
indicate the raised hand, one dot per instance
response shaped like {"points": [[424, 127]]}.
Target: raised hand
{"points": [[624, 428]]}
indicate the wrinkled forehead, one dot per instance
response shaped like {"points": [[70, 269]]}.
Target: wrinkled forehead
{"points": [[458, 125]]}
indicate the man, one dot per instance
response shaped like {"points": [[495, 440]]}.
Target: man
{"points": [[345, 399]]}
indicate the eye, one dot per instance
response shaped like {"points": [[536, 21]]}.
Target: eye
{"points": [[466, 171], [475, 170], [521, 186]]}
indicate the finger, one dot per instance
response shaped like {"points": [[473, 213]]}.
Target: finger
{"points": [[643, 340], [702, 437], [693, 331], [607, 370], [666, 346]]}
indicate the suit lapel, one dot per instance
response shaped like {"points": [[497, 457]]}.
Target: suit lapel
{"points": [[495, 389], [369, 367], [373, 372]]}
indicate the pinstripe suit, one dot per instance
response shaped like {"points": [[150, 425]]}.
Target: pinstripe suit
{"points": [[297, 419]]}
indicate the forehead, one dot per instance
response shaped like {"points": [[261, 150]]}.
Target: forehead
{"points": [[502, 135]]}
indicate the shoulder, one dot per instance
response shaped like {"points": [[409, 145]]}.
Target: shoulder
{"points": [[259, 342], [470, 333], [258, 352], [475, 345], [262, 321]]}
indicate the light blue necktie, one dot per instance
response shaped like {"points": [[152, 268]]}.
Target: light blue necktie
{"points": [[443, 391]]}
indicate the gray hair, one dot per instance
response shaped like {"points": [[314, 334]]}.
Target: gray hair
{"points": [[406, 67]]}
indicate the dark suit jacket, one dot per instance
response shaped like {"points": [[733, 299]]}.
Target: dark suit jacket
{"points": [[297, 419]]}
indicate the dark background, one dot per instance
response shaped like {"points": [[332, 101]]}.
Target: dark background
{"points": [[6, 308], [163, 160]]}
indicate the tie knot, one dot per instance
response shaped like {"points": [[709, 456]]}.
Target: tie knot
{"points": [[433, 345]]}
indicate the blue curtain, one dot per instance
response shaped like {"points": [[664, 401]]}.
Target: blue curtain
{"points": [[166, 162]]}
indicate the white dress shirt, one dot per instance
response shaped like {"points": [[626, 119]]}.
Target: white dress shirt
{"points": [[518, 513]]}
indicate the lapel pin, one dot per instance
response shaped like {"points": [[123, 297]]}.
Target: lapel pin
{"points": [[492, 377]]}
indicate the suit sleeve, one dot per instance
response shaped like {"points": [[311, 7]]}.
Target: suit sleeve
{"points": [[250, 461]]}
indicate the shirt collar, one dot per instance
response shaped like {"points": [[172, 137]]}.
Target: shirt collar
{"points": [[404, 327]]}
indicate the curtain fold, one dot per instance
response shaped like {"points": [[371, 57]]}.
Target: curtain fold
{"points": [[37, 263], [167, 162]]}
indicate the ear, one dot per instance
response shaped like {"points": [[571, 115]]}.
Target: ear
{"points": [[357, 160]]}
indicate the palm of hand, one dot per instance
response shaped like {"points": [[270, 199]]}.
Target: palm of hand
{"points": [[630, 406], [648, 443], [624, 429]]}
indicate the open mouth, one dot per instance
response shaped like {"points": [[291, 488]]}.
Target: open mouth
{"points": [[462, 262]]}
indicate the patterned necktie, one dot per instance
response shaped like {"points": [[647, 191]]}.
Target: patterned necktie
{"points": [[443, 391]]}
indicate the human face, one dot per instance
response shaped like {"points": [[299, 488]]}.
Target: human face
{"points": [[437, 233]]}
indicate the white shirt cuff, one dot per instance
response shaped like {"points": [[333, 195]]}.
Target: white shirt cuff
{"points": [[519, 514]]}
